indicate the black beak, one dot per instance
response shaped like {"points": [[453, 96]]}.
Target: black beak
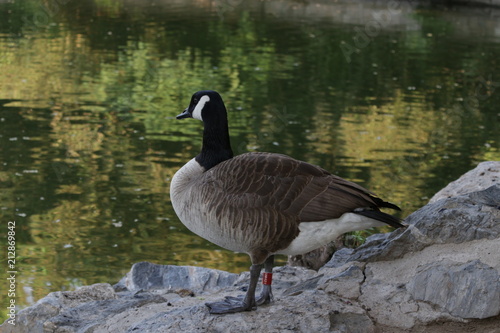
{"points": [[184, 114]]}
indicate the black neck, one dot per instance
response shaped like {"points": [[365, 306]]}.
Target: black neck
{"points": [[216, 144]]}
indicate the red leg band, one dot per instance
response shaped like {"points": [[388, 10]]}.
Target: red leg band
{"points": [[267, 278]]}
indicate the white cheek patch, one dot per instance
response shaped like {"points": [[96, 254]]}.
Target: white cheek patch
{"points": [[201, 104]]}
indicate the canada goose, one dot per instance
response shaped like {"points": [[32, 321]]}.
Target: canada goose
{"points": [[262, 203]]}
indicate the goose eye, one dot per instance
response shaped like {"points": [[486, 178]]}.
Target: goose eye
{"points": [[199, 104]]}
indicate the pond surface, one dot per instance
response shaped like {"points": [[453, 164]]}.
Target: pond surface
{"points": [[401, 98]]}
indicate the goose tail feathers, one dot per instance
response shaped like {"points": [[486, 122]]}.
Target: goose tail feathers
{"points": [[382, 217], [384, 204]]}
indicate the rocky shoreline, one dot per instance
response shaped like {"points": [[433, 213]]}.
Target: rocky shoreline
{"points": [[441, 274]]}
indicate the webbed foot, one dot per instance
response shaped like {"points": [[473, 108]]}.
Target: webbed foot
{"points": [[231, 305]]}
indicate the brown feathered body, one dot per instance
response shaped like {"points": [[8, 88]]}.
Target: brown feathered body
{"points": [[264, 203]]}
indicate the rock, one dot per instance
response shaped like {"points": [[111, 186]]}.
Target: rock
{"points": [[314, 259], [38, 317], [486, 174], [345, 284], [310, 311], [465, 218], [148, 276], [441, 274], [87, 316], [470, 290], [415, 277], [351, 323]]}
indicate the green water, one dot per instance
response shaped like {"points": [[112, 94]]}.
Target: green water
{"points": [[401, 100]]}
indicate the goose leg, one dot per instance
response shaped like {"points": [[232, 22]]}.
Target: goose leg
{"points": [[266, 295], [234, 304]]}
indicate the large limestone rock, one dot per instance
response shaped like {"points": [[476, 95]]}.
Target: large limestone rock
{"points": [[486, 174], [471, 285], [441, 274]]}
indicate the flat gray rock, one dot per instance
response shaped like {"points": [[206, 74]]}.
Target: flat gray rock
{"points": [[148, 276]]}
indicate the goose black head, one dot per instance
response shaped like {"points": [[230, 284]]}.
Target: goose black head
{"points": [[207, 106], [204, 105]]}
